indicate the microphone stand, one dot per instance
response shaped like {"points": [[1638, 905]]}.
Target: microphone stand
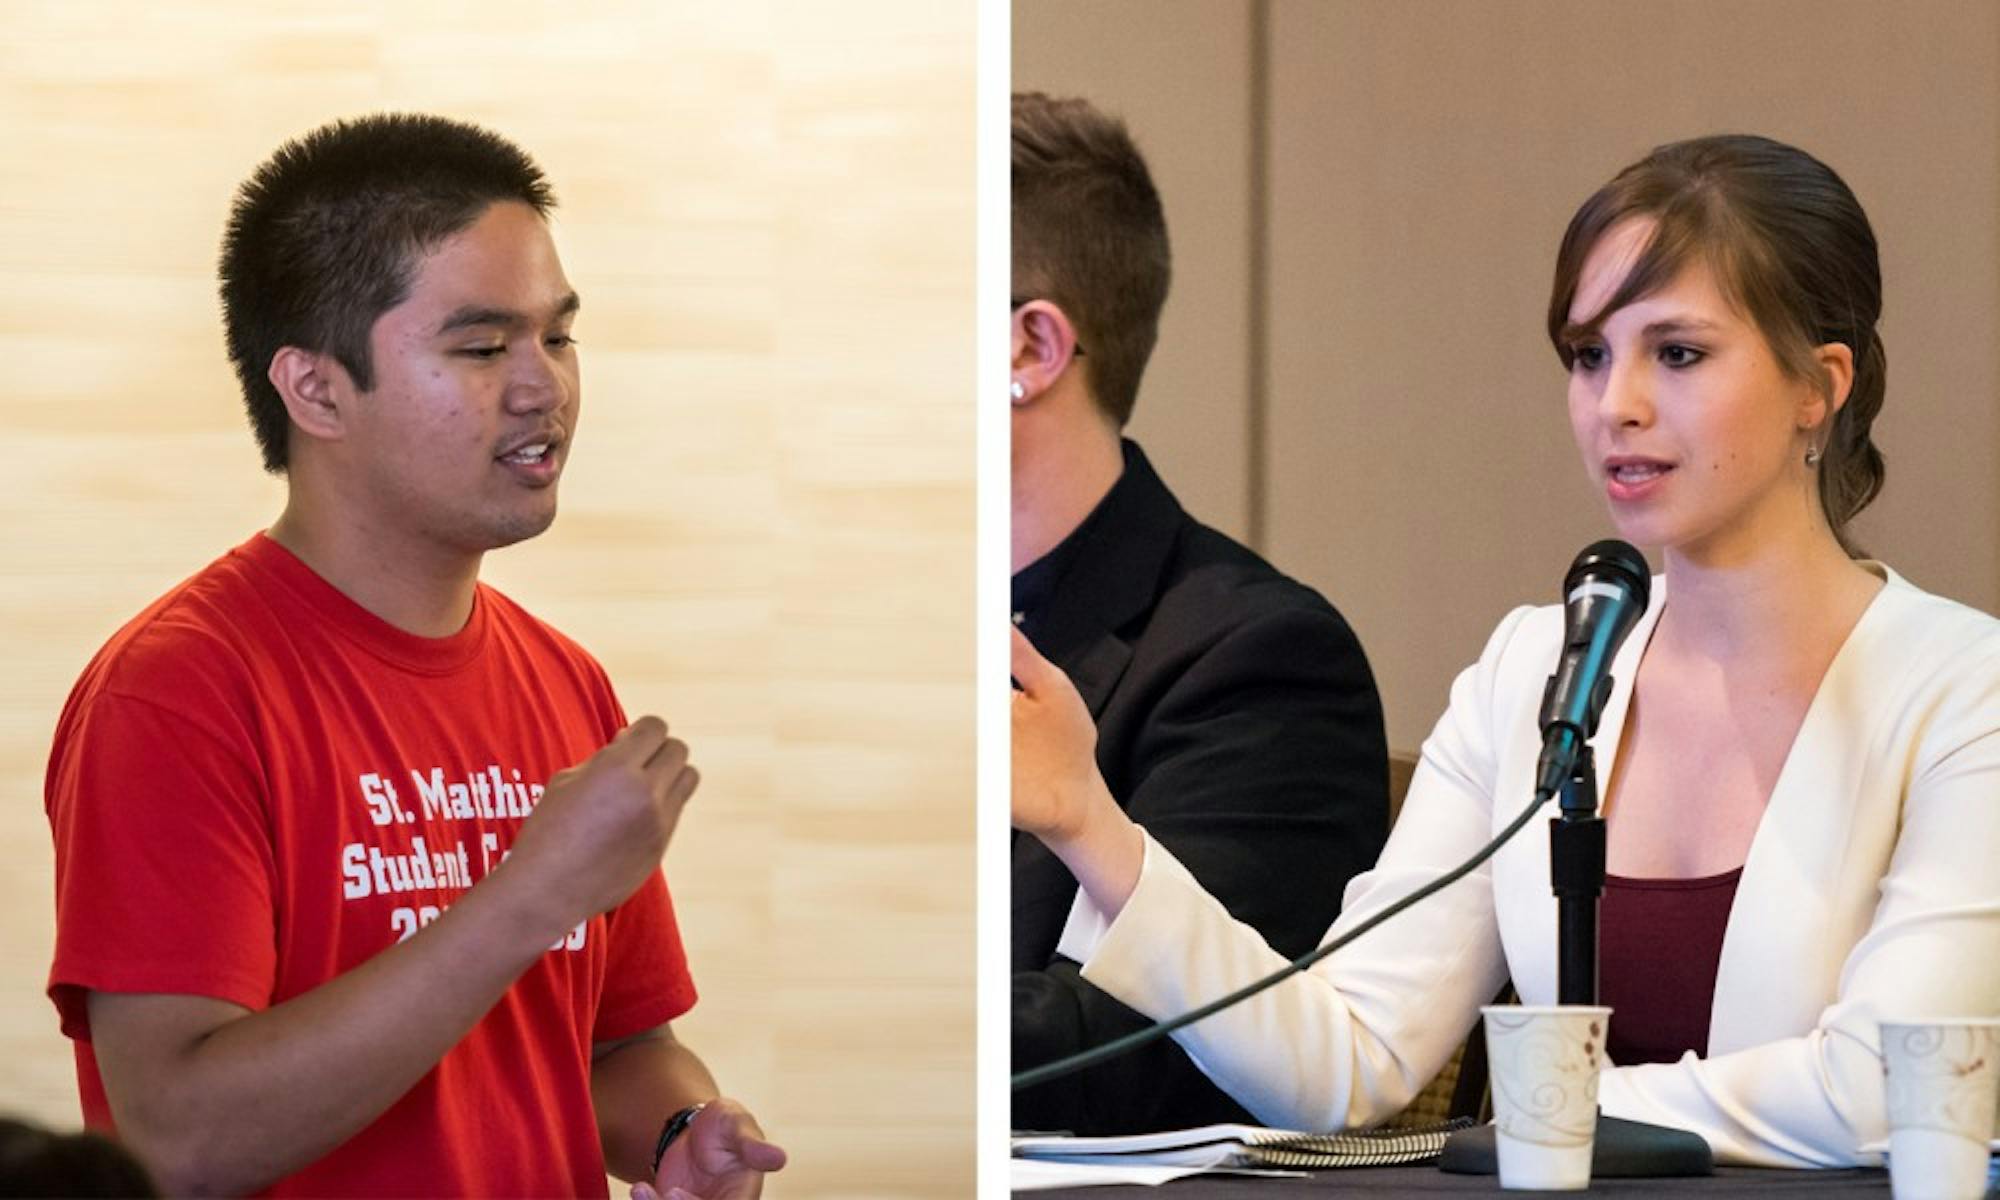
{"points": [[1576, 871], [1621, 1149]]}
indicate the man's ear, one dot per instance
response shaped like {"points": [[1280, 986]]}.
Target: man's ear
{"points": [[313, 386], [1044, 346]]}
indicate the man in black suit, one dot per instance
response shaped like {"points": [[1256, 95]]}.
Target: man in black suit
{"points": [[1236, 716]]}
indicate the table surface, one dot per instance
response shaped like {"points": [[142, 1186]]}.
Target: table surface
{"points": [[1426, 1181]]}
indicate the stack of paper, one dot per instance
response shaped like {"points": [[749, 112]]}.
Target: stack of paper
{"points": [[1158, 1157]]}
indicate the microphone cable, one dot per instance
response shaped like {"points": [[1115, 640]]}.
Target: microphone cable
{"points": [[1152, 1033]]}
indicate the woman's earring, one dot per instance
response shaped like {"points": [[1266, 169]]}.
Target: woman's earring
{"points": [[1813, 456], [1018, 390]]}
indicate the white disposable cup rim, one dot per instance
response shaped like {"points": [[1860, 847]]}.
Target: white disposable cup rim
{"points": [[1536, 1010]]}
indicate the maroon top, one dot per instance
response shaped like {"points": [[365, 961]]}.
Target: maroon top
{"points": [[1658, 943]]}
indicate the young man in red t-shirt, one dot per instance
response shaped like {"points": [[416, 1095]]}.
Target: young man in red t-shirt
{"points": [[357, 863]]}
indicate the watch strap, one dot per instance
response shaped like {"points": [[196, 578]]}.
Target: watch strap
{"points": [[676, 1125]]}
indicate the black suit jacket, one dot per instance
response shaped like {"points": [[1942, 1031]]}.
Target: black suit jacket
{"points": [[1237, 720]]}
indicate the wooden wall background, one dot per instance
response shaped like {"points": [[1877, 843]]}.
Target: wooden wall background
{"points": [[1365, 201], [767, 527]]}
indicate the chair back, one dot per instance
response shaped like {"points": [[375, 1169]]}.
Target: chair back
{"points": [[1401, 767]]}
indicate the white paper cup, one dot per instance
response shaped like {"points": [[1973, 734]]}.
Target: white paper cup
{"points": [[1943, 1080], [1544, 1063]]}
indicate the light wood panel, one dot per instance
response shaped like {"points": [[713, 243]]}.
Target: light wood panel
{"points": [[767, 526]]}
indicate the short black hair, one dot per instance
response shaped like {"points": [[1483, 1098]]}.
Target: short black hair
{"points": [[324, 237], [35, 1161], [1090, 236]]}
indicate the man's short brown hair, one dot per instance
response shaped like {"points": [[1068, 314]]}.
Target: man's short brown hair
{"points": [[1089, 237]]}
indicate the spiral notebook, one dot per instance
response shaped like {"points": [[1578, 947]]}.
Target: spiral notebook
{"points": [[1247, 1146]]}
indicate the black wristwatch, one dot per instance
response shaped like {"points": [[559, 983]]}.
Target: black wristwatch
{"points": [[676, 1125]]}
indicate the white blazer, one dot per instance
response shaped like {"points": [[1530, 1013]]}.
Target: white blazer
{"points": [[1871, 892]]}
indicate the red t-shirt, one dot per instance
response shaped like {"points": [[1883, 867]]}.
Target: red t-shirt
{"points": [[257, 785]]}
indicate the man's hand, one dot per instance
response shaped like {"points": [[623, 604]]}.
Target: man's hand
{"points": [[1059, 794], [721, 1156], [602, 825]]}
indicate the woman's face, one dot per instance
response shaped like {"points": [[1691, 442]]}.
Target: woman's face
{"points": [[1683, 414]]}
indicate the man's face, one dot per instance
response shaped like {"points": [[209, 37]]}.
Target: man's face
{"points": [[459, 444]]}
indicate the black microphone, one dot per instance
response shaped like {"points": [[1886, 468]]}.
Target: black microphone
{"points": [[1604, 595]]}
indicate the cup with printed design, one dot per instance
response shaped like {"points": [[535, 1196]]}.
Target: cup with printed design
{"points": [[1544, 1062], [1942, 1079]]}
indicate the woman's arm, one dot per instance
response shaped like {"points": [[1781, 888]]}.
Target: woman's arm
{"points": [[1353, 1040]]}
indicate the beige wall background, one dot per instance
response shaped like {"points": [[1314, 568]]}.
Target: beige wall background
{"points": [[1365, 201], [767, 526]]}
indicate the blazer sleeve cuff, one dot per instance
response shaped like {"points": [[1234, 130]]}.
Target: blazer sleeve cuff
{"points": [[1087, 923], [1084, 928], [1122, 955]]}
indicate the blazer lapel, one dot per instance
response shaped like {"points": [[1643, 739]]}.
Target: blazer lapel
{"points": [[1126, 544], [1128, 541], [1796, 910], [1624, 675]]}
